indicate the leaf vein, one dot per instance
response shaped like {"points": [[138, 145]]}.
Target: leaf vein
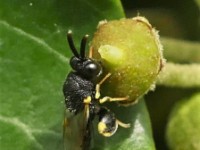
{"points": [[37, 40], [16, 122]]}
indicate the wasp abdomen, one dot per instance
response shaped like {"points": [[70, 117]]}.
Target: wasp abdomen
{"points": [[107, 122]]}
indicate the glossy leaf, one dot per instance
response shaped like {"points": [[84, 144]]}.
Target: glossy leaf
{"points": [[33, 65]]}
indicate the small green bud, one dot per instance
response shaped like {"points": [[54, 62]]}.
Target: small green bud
{"points": [[183, 129], [131, 51]]}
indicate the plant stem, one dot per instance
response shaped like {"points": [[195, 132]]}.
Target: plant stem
{"points": [[181, 51], [176, 75]]}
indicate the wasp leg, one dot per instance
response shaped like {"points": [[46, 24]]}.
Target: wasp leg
{"points": [[97, 94], [124, 125], [87, 112], [91, 52], [87, 129], [87, 100], [112, 99], [65, 124]]}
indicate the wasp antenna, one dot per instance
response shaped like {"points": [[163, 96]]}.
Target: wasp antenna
{"points": [[71, 44], [83, 45]]}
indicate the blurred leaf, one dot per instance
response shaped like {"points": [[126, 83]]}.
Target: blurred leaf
{"points": [[176, 75], [190, 51], [168, 16], [33, 66]]}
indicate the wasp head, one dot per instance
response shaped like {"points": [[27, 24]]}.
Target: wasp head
{"points": [[86, 67]]}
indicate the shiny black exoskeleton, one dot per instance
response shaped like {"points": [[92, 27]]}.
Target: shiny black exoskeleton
{"points": [[80, 83], [82, 94]]}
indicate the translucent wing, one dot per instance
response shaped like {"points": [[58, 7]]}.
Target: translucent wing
{"points": [[77, 130]]}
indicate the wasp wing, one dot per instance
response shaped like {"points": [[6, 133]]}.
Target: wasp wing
{"points": [[77, 130]]}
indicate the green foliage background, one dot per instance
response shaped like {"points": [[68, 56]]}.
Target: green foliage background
{"points": [[34, 62]]}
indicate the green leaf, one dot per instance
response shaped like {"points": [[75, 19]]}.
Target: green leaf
{"points": [[33, 65]]}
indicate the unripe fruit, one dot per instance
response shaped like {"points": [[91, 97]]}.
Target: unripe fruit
{"points": [[131, 51], [183, 129]]}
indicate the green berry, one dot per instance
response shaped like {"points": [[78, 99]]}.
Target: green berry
{"points": [[131, 51], [183, 129]]}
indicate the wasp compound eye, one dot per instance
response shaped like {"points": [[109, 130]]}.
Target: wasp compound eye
{"points": [[92, 69], [75, 63]]}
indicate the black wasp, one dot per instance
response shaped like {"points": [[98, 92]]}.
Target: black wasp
{"points": [[82, 99]]}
